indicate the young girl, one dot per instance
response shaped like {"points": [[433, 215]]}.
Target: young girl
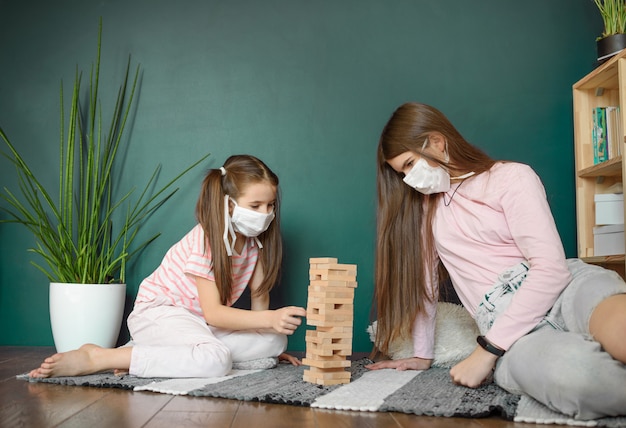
{"points": [[183, 324], [552, 328]]}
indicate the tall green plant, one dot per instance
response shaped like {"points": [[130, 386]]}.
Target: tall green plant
{"points": [[613, 14], [88, 235]]}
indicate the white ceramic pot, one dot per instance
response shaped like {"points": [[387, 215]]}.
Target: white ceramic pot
{"points": [[86, 313]]}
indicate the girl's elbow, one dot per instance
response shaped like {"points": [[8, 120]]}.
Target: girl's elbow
{"points": [[211, 317]]}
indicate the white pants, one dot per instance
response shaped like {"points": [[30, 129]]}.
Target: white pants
{"points": [[170, 341]]}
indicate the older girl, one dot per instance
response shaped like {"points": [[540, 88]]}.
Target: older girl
{"points": [[183, 323], [552, 328]]}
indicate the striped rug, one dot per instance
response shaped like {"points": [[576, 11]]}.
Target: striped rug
{"points": [[429, 393]]}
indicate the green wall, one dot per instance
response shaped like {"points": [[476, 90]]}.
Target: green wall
{"points": [[305, 85]]}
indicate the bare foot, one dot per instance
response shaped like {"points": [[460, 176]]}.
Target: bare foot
{"points": [[81, 361], [120, 372]]}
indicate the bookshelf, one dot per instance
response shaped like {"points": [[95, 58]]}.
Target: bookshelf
{"points": [[604, 86]]}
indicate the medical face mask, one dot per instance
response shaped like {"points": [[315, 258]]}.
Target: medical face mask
{"points": [[245, 221], [250, 223], [427, 179]]}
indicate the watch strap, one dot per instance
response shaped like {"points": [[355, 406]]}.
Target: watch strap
{"points": [[487, 346]]}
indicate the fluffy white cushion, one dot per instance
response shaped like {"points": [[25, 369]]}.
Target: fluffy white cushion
{"points": [[455, 336]]}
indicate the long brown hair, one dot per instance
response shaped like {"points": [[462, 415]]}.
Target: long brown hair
{"points": [[240, 171], [405, 250]]}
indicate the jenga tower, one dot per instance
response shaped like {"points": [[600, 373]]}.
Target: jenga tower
{"points": [[330, 308]]}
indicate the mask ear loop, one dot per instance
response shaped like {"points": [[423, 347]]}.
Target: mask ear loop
{"points": [[446, 158], [228, 227]]}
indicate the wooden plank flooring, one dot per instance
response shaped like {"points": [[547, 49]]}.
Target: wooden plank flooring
{"points": [[39, 405]]}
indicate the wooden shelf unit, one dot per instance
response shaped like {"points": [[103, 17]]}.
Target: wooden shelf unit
{"points": [[604, 86]]}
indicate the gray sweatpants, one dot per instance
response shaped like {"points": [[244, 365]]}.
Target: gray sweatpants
{"points": [[560, 365]]}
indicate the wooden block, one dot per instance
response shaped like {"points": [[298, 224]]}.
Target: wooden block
{"points": [[329, 350], [324, 382], [333, 330], [321, 336], [330, 291], [335, 284], [329, 341], [328, 344], [330, 275], [316, 260], [335, 358], [327, 374], [322, 363], [326, 377], [335, 300], [330, 314], [330, 304], [333, 272], [319, 353], [329, 318], [330, 308], [348, 269], [318, 322]]}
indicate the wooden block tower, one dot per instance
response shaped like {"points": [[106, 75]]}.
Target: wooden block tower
{"points": [[330, 308]]}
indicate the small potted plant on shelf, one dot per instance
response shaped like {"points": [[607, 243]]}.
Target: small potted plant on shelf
{"points": [[613, 38], [87, 236]]}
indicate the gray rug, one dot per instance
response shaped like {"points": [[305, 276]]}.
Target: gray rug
{"points": [[430, 393]]}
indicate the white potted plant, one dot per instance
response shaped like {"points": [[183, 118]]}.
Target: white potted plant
{"points": [[87, 235], [613, 38]]}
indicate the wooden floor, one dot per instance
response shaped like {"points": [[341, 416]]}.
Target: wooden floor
{"points": [[38, 405]]}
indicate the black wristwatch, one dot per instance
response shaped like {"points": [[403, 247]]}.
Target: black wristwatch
{"points": [[487, 346]]}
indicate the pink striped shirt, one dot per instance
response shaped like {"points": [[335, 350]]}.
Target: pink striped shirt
{"points": [[172, 282], [496, 220]]}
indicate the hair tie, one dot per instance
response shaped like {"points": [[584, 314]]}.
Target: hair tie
{"points": [[223, 170]]}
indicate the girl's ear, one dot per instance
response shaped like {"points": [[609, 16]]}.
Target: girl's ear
{"points": [[437, 141]]}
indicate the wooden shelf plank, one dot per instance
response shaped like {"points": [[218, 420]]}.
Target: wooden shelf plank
{"points": [[605, 260], [610, 168]]}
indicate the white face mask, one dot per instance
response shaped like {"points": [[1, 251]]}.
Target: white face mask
{"points": [[247, 222], [427, 179], [250, 223]]}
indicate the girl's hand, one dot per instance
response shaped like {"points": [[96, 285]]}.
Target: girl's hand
{"points": [[414, 363], [286, 320], [289, 358], [475, 369]]}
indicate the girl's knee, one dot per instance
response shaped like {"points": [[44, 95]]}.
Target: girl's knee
{"points": [[608, 323], [272, 344], [280, 342], [212, 360]]}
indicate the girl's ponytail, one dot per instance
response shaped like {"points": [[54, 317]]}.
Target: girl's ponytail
{"points": [[210, 215]]}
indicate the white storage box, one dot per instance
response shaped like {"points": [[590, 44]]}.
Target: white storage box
{"points": [[609, 208], [608, 240]]}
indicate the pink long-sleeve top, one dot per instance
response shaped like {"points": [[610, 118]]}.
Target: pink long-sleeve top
{"points": [[494, 221]]}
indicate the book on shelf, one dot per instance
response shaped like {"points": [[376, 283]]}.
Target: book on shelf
{"points": [[605, 133], [613, 131]]}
